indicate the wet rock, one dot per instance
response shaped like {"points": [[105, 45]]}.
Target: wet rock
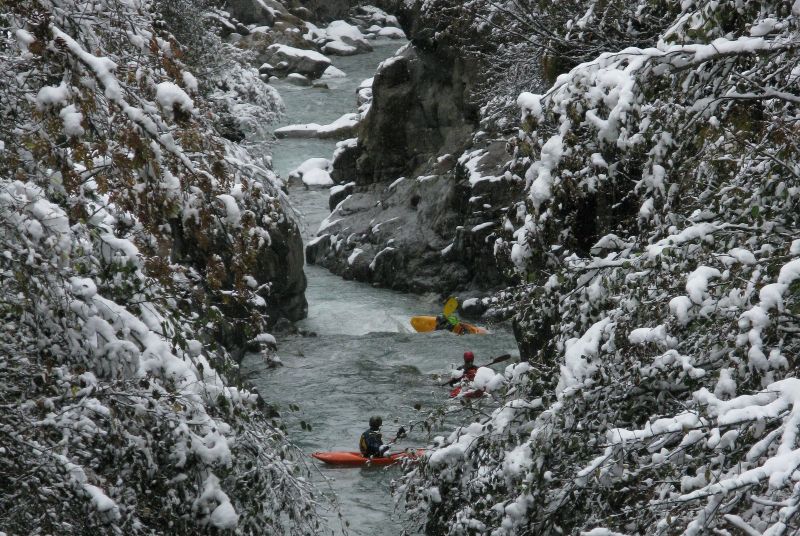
{"points": [[284, 327]]}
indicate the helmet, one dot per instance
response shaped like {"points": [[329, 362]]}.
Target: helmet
{"points": [[375, 422], [469, 356]]}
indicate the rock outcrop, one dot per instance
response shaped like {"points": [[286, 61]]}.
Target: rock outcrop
{"points": [[430, 192]]}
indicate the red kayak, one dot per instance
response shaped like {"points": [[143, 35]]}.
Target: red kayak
{"points": [[355, 459], [469, 393]]}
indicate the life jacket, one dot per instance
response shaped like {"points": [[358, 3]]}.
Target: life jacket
{"points": [[469, 373], [370, 443]]}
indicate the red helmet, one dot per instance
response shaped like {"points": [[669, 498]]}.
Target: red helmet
{"points": [[469, 356]]}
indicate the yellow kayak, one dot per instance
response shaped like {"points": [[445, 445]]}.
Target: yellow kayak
{"points": [[424, 324]]}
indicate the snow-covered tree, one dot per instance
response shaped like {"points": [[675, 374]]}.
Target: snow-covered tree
{"points": [[522, 44], [132, 245], [660, 243]]}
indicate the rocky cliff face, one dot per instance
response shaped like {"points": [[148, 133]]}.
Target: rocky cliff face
{"points": [[429, 192]]}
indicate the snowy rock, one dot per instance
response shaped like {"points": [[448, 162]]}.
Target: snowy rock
{"points": [[344, 39], [317, 178], [344, 127], [391, 33], [295, 60], [298, 79], [333, 72], [339, 193], [314, 172]]}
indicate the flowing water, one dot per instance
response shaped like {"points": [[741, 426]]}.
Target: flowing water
{"points": [[364, 360]]}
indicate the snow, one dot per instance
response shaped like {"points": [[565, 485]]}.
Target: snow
{"points": [[72, 121], [101, 502], [298, 79], [697, 282], [50, 96], [680, 306], [317, 177], [692, 233], [126, 249], [299, 53], [601, 532], [373, 264], [308, 165], [471, 161], [540, 174], [742, 256], [657, 334], [169, 95], [224, 516], [726, 384], [233, 215], [392, 33], [24, 38], [354, 255], [486, 378], [333, 72], [339, 30], [338, 47], [343, 126], [190, 81], [481, 226], [576, 367], [530, 104]]}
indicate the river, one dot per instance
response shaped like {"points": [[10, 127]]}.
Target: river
{"points": [[364, 359]]}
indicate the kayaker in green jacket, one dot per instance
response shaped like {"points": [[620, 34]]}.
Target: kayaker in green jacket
{"points": [[371, 441], [446, 322]]}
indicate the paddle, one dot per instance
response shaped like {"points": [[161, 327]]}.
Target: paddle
{"points": [[401, 433], [450, 307], [498, 359]]}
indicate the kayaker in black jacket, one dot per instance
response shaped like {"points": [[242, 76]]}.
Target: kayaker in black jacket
{"points": [[371, 441]]}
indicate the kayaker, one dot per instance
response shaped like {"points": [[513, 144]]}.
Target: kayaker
{"points": [[371, 441], [468, 367], [448, 322]]}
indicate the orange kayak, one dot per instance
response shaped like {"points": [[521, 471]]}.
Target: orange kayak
{"points": [[355, 459], [424, 324]]}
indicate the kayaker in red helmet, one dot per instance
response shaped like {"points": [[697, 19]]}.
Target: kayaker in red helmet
{"points": [[371, 441], [468, 367]]}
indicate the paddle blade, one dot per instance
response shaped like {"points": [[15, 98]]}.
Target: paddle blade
{"points": [[450, 306], [500, 359]]}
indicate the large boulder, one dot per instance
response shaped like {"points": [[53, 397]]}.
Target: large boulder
{"points": [[344, 39], [287, 59], [420, 108]]}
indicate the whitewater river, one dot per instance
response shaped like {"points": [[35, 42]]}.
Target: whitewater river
{"points": [[364, 359]]}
